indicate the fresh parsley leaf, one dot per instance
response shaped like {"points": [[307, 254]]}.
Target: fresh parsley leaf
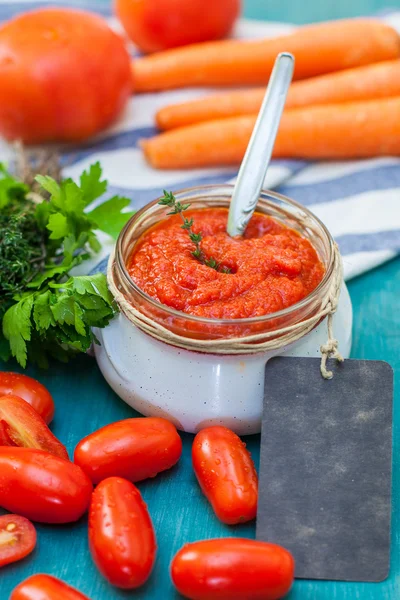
{"points": [[94, 242], [42, 313], [93, 285], [73, 203], [51, 273], [17, 328], [58, 225], [66, 310], [91, 185], [47, 312], [109, 216], [42, 214], [51, 186]]}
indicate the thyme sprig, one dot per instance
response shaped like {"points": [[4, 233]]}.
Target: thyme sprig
{"points": [[177, 208]]}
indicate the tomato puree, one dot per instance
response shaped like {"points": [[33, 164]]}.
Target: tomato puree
{"points": [[271, 267]]}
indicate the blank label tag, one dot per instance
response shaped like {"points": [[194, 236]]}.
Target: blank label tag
{"points": [[325, 467]]}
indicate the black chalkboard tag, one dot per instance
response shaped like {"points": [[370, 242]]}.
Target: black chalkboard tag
{"points": [[325, 467]]}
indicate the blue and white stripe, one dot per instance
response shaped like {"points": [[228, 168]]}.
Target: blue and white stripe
{"points": [[359, 201]]}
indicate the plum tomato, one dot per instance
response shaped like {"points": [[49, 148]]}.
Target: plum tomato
{"points": [[17, 538], [45, 587], [121, 535], [42, 487], [134, 449], [226, 474], [233, 569], [21, 425], [30, 390]]}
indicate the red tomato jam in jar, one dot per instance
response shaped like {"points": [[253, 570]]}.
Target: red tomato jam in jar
{"points": [[270, 268]]}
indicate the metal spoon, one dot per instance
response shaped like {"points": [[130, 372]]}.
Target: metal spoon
{"points": [[258, 154]]}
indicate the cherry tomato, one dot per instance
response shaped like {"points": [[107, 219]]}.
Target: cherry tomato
{"points": [[134, 449], [29, 390], [64, 75], [234, 569], [226, 474], [42, 487], [121, 535], [20, 425], [17, 538], [45, 587], [160, 24]]}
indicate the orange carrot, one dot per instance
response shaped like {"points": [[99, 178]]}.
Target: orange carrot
{"points": [[318, 48], [379, 80], [349, 130]]}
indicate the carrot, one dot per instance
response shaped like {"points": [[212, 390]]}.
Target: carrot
{"points": [[318, 48], [379, 80], [340, 131]]}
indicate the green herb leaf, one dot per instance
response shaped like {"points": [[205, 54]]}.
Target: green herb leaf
{"points": [[45, 312], [95, 285], [74, 202], [91, 185], [58, 225], [177, 209], [50, 185], [109, 216], [42, 313], [17, 328]]}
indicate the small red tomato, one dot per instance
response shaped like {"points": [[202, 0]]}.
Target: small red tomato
{"points": [[134, 449], [17, 538], [30, 390], [42, 487], [232, 569], [21, 425], [226, 474], [64, 75], [121, 535], [160, 24], [45, 587]]}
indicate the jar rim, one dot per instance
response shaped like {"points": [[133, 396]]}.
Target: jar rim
{"points": [[225, 189]]}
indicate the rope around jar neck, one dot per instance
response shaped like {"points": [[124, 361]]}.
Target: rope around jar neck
{"points": [[250, 344]]}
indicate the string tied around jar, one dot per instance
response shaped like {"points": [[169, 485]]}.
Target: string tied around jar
{"points": [[248, 344]]}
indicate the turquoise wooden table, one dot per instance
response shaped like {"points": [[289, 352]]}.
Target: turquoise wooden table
{"points": [[180, 514]]}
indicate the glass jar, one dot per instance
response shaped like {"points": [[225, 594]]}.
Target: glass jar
{"points": [[196, 389]]}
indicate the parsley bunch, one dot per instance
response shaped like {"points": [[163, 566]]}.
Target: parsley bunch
{"points": [[44, 311]]}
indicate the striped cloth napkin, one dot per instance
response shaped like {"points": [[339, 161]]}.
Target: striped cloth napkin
{"points": [[359, 201]]}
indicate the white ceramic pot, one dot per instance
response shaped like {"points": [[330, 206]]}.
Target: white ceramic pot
{"points": [[195, 389]]}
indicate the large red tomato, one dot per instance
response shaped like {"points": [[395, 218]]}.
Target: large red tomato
{"points": [[121, 535], [64, 75], [134, 449], [226, 474], [233, 569], [42, 487], [29, 390], [45, 587], [160, 24], [20, 425]]}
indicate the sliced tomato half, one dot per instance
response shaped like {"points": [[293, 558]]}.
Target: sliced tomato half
{"points": [[17, 538], [21, 425]]}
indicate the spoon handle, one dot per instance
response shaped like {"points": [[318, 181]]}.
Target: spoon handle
{"points": [[258, 154]]}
